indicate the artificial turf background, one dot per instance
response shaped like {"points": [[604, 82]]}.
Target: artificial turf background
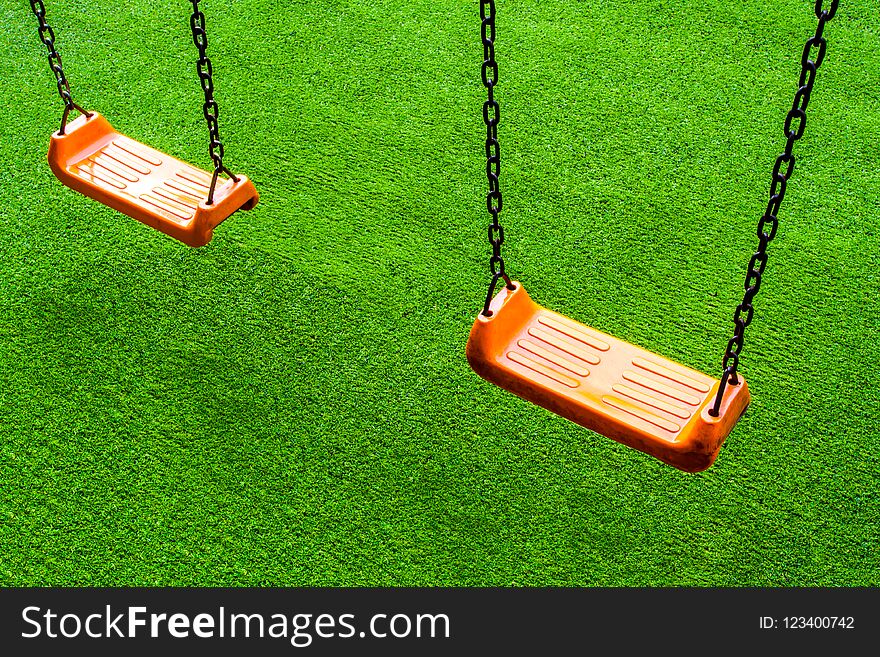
{"points": [[291, 405]]}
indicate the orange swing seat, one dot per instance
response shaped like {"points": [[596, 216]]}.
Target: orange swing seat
{"points": [[615, 388], [147, 185]]}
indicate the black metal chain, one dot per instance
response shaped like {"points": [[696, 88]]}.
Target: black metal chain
{"points": [[47, 36], [491, 116], [795, 124], [210, 109]]}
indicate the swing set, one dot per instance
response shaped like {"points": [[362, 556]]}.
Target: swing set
{"points": [[178, 199], [617, 389]]}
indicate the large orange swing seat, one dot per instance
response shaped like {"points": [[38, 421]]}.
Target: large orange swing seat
{"points": [[147, 185], [615, 388]]}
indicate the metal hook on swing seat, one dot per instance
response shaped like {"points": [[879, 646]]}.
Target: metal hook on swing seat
{"points": [[66, 115]]}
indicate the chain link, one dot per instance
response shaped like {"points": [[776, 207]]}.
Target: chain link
{"points": [[491, 117], [795, 124], [210, 109], [47, 36]]}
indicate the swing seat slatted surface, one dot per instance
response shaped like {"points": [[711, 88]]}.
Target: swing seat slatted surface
{"points": [[615, 388], [146, 184]]}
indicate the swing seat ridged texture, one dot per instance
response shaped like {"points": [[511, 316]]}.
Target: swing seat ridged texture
{"points": [[615, 388], [147, 185]]}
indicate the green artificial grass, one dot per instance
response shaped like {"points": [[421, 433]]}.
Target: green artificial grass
{"points": [[291, 405]]}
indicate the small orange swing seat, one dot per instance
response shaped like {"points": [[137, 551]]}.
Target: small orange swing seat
{"points": [[147, 185], [615, 388]]}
